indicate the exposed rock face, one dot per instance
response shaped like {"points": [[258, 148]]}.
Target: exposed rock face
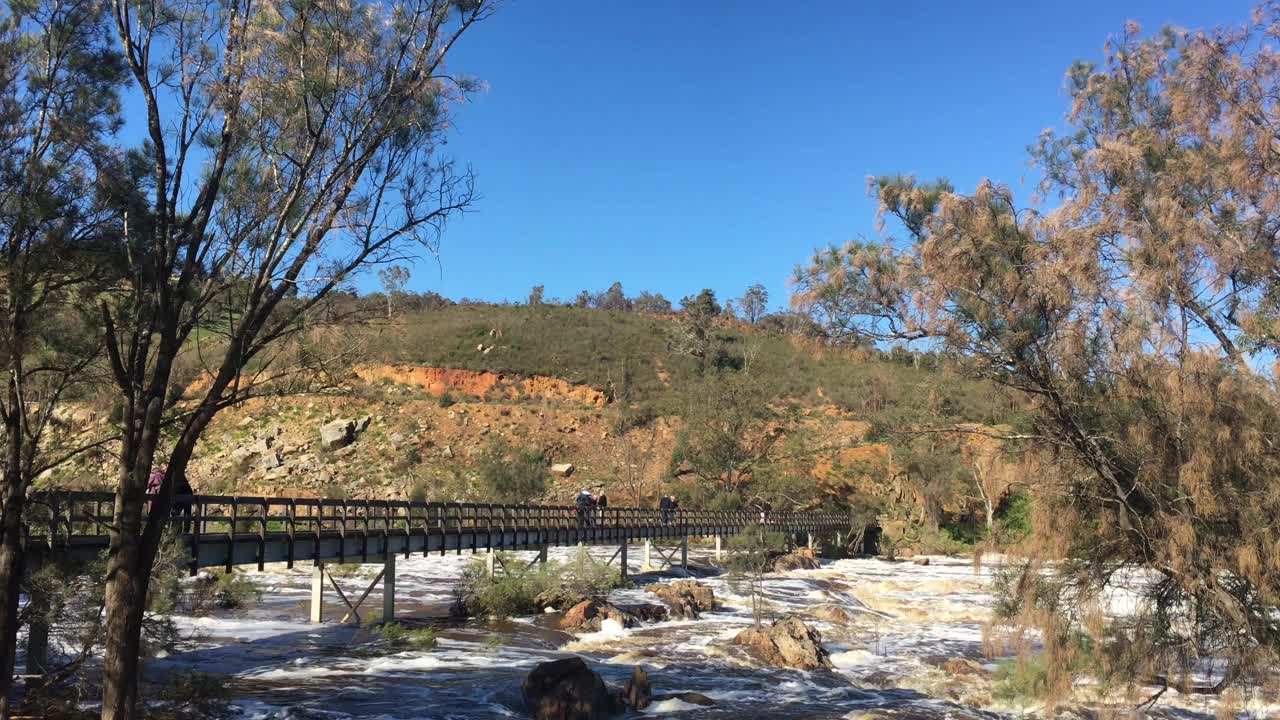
{"points": [[921, 561], [337, 434], [686, 598], [637, 691], [562, 469], [483, 384], [567, 689], [789, 642], [799, 559]]}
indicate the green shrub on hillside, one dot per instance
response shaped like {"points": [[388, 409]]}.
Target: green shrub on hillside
{"points": [[509, 475]]}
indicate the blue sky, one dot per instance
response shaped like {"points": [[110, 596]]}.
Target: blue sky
{"points": [[675, 145]]}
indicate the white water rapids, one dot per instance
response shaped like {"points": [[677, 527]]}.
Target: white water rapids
{"points": [[907, 621]]}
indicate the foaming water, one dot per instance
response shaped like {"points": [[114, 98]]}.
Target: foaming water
{"points": [[891, 628]]}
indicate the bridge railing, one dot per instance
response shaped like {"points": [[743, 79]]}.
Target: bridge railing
{"points": [[60, 517]]}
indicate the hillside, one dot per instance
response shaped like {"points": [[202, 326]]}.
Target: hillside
{"points": [[443, 394]]}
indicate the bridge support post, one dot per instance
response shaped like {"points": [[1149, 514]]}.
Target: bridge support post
{"points": [[317, 593], [648, 556], [490, 564], [684, 552], [810, 541], [542, 555], [622, 560], [719, 555], [389, 587]]}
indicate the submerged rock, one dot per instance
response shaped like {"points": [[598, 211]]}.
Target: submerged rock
{"points": [[693, 698], [833, 614], [686, 598], [798, 559], [789, 642], [567, 689]]}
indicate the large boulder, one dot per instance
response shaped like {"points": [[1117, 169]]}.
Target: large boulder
{"points": [[337, 434], [562, 469], [686, 598], [567, 689], [799, 559], [789, 642]]}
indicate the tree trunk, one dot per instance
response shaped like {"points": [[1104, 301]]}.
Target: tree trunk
{"points": [[125, 601], [11, 570]]}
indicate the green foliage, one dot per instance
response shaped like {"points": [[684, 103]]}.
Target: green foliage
{"points": [[398, 635], [1013, 518], [511, 475], [512, 590], [1022, 681], [194, 695]]}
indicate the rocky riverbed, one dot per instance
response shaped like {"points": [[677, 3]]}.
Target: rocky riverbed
{"points": [[904, 640]]}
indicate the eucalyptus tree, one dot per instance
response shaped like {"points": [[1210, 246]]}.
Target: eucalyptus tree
{"points": [[1137, 309], [288, 147]]}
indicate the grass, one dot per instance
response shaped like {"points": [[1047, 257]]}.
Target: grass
{"points": [[591, 346]]}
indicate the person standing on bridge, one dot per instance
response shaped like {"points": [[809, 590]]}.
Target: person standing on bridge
{"points": [[586, 506], [602, 502], [664, 508]]}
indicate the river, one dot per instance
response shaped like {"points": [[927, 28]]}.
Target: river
{"points": [[906, 622]]}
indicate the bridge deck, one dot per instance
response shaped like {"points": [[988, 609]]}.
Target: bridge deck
{"points": [[226, 531]]}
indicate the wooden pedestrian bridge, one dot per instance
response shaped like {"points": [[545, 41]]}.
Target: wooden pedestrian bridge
{"points": [[231, 531]]}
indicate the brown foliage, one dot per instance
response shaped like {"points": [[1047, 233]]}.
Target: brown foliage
{"points": [[1135, 315]]}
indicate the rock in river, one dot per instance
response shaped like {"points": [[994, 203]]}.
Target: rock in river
{"points": [[567, 689], [686, 598], [789, 642]]}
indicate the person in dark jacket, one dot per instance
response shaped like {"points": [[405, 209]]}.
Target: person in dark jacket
{"points": [[664, 508]]}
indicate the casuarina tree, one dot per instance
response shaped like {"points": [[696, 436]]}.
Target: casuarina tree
{"points": [[1136, 309], [288, 147]]}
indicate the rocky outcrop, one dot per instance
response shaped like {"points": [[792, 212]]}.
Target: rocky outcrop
{"points": [[590, 616], [686, 598], [562, 469], [338, 433], [558, 598], [798, 559], [646, 612], [789, 642], [567, 689]]}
